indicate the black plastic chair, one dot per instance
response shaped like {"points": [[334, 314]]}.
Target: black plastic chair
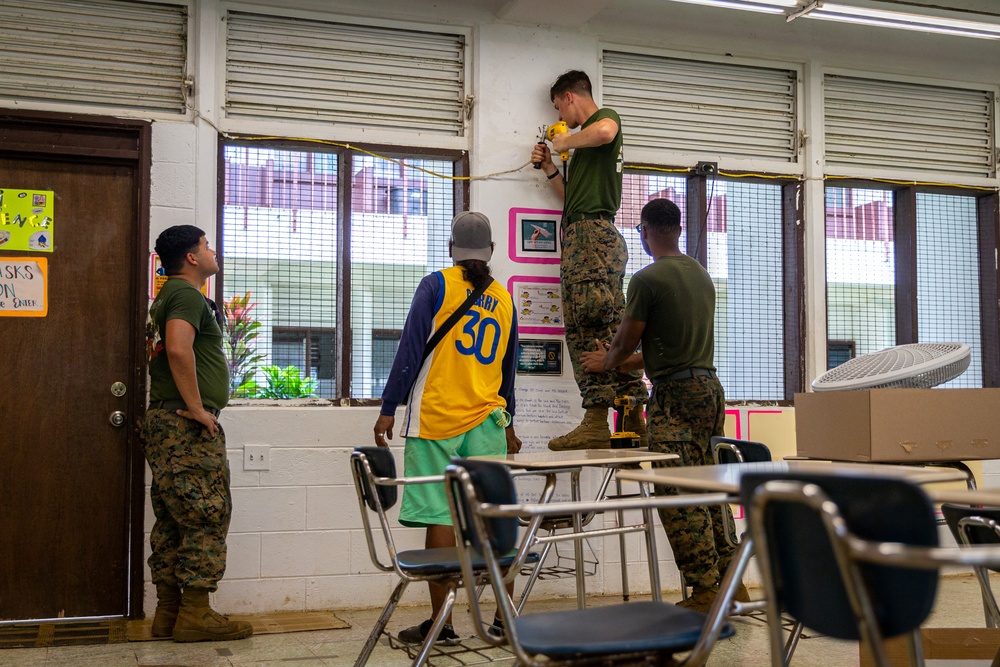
{"points": [[485, 512], [375, 480], [731, 450], [971, 526], [807, 527]]}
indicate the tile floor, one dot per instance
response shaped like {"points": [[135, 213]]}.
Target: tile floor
{"points": [[959, 604]]}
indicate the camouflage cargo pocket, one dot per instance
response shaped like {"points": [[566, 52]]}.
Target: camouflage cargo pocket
{"points": [[592, 303], [202, 487]]}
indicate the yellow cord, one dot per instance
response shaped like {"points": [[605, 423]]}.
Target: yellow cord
{"points": [[634, 167], [914, 183]]}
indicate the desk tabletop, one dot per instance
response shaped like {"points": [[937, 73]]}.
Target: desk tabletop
{"points": [[580, 457], [727, 477]]}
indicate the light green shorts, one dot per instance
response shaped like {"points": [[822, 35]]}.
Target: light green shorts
{"points": [[426, 504]]}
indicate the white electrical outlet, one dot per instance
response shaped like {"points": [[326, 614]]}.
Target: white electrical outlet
{"points": [[256, 457]]}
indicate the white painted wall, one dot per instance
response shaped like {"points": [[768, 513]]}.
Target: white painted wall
{"points": [[296, 540]]}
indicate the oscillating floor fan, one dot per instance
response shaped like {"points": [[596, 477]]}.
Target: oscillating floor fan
{"points": [[914, 366]]}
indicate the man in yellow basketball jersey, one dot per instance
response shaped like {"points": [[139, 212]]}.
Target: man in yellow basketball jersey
{"points": [[459, 395]]}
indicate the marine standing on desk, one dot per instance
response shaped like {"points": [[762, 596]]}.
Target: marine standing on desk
{"points": [[592, 269], [671, 310]]}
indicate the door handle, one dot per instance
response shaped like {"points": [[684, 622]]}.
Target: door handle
{"points": [[117, 418]]}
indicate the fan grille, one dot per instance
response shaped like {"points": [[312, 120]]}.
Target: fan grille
{"points": [[915, 366]]}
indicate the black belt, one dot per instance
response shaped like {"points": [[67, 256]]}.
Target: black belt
{"points": [[687, 374], [576, 217], [178, 405]]}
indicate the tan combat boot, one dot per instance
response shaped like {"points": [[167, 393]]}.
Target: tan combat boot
{"points": [[592, 433], [636, 423], [168, 601], [198, 622]]}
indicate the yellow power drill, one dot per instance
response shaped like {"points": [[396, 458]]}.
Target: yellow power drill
{"points": [[622, 439], [555, 129], [548, 133]]}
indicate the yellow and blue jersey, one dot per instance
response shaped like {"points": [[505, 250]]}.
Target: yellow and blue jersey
{"points": [[471, 370]]}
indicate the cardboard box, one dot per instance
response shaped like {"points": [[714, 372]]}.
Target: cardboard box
{"points": [[899, 425]]}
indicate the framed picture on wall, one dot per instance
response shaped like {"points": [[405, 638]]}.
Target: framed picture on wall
{"points": [[534, 235]]}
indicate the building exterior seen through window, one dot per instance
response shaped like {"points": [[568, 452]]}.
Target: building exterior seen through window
{"points": [[284, 243]]}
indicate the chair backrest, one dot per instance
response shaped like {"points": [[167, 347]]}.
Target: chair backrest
{"points": [[382, 464], [973, 525], [731, 450], [491, 484], [801, 555], [974, 534]]}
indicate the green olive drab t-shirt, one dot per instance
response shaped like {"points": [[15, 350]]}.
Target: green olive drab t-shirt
{"points": [[675, 297], [595, 174], [179, 299]]}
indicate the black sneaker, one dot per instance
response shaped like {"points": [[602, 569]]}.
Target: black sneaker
{"points": [[498, 629], [418, 634]]}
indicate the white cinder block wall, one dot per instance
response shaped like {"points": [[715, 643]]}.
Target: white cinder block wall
{"points": [[295, 540]]}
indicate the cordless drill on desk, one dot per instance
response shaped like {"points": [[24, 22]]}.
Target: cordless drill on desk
{"points": [[622, 439]]}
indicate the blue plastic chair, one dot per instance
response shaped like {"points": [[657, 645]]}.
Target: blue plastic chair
{"points": [[485, 512]]}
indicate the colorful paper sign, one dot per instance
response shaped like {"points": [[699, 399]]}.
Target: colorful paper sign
{"points": [[26, 220], [158, 277], [24, 287], [539, 304]]}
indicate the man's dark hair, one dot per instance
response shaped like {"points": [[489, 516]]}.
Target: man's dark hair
{"points": [[475, 271], [173, 245], [573, 81], [661, 214]]}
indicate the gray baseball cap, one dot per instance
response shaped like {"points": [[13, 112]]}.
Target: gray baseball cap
{"points": [[471, 237]]}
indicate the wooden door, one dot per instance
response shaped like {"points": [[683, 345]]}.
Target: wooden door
{"points": [[70, 481]]}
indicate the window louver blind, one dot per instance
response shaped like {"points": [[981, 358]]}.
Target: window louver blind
{"points": [[702, 107], [872, 123], [281, 68], [109, 53]]}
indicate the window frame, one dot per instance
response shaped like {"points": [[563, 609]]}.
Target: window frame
{"points": [[905, 253], [345, 152], [793, 251]]}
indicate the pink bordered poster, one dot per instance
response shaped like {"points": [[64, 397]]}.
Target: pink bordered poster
{"points": [[538, 303], [534, 235]]}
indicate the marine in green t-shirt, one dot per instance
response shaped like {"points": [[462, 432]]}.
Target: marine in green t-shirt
{"points": [[594, 254], [185, 445], [179, 299], [675, 297]]}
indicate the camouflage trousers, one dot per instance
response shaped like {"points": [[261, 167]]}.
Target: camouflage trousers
{"points": [[592, 271], [682, 416], [191, 500]]}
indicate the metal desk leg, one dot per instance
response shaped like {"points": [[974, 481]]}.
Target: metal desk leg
{"points": [[621, 542], [650, 518], [581, 587]]}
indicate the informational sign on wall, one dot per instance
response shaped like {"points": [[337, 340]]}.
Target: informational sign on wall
{"points": [[539, 357], [539, 304], [26, 220], [534, 235], [24, 287]]}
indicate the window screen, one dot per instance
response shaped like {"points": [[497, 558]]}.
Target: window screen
{"points": [[948, 278], [746, 262], [744, 231], [637, 191], [400, 226], [280, 244], [860, 268]]}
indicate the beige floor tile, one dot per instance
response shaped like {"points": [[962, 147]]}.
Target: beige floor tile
{"points": [[958, 605]]}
